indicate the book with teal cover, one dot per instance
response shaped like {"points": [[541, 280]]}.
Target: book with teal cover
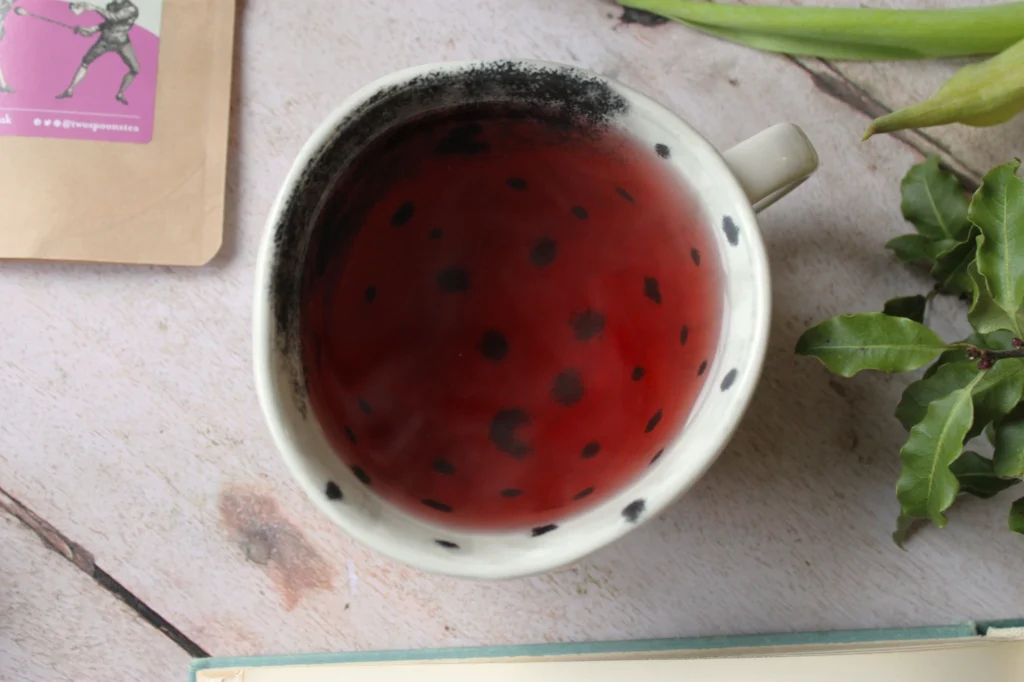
{"points": [[967, 629]]}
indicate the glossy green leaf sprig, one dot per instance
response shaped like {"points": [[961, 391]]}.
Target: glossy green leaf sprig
{"points": [[974, 249]]}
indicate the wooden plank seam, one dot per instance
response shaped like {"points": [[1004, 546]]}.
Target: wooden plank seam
{"points": [[83, 559]]}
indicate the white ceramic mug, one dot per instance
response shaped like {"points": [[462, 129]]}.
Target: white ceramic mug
{"points": [[729, 188]]}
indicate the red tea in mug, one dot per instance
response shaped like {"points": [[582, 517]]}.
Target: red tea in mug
{"points": [[505, 320]]}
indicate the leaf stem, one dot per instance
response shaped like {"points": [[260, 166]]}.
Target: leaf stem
{"points": [[987, 358], [1002, 354]]}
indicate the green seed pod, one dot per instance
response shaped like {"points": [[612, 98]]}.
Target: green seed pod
{"points": [[982, 94]]}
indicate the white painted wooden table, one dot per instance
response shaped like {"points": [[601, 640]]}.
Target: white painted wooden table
{"points": [[132, 445]]}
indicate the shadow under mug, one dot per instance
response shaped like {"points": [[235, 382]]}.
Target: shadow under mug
{"points": [[728, 189]]}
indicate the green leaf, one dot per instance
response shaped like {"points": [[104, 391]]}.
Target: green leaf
{"points": [[910, 307], [926, 487], [985, 314], [919, 395], [1017, 516], [995, 394], [998, 340], [977, 477], [1008, 459], [911, 248], [848, 344], [999, 390], [998, 210], [952, 355], [934, 202], [951, 267], [905, 527]]}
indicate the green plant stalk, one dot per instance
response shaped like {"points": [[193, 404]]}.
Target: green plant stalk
{"points": [[852, 33], [834, 49], [982, 94]]}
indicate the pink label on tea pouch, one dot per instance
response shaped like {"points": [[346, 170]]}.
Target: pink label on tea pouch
{"points": [[79, 70]]}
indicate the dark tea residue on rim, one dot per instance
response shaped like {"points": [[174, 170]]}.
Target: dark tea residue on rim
{"points": [[505, 321]]}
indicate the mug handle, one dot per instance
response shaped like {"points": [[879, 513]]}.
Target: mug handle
{"points": [[772, 163]]}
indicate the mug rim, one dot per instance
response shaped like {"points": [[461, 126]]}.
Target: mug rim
{"points": [[265, 352]]}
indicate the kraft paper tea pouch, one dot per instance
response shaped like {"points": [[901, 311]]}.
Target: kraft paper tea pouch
{"points": [[113, 129]]}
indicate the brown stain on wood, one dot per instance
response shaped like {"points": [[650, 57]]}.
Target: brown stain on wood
{"points": [[266, 538]]}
